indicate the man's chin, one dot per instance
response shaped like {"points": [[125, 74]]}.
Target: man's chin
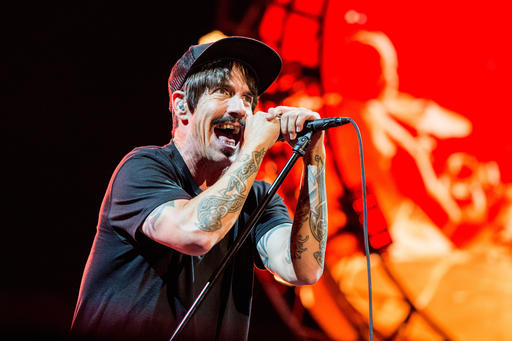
{"points": [[223, 152], [224, 156], [232, 158], [230, 154]]}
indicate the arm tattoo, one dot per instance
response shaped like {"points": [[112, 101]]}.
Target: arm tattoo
{"points": [[313, 209], [214, 207], [149, 225], [263, 247], [318, 222], [299, 246]]}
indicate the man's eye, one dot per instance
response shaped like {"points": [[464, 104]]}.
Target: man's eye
{"points": [[248, 100], [222, 91]]}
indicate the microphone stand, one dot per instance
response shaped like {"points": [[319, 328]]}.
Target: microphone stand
{"points": [[298, 150]]}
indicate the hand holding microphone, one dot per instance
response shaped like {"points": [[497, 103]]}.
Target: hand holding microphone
{"points": [[298, 121]]}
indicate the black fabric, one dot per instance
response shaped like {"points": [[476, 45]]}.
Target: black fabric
{"points": [[136, 289], [261, 58]]}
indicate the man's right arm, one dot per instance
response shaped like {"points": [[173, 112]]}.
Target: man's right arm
{"points": [[194, 226]]}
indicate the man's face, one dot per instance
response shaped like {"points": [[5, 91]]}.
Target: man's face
{"points": [[218, 120]]}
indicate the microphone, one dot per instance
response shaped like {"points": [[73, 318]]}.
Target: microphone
{"points": [[324, 124], [321, 124]]}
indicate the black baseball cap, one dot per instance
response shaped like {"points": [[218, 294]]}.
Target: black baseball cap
{"points": [[261, 58]]}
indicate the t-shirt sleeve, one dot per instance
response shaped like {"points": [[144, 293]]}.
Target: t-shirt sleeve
{"points": [[142, 183], [276, 213]]}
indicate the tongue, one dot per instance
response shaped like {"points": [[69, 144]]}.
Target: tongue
{"points": [[226, 137], [226, 140]]}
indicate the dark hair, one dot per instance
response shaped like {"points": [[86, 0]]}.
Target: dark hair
{"points": [[212, 75]]}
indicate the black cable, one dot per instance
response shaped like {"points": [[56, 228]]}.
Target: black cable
{"points": [[365, 231]]}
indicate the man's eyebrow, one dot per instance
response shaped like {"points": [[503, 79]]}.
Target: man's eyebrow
{"points": [[224, 85], [249, 93], [230, 87]]}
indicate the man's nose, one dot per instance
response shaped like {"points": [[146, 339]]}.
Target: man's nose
{"points": [[236, 107]]}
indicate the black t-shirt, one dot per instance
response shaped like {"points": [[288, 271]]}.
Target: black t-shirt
{"points": [[135, 288]]}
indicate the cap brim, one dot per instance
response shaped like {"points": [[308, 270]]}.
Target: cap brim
{"points": [[264, 61]]}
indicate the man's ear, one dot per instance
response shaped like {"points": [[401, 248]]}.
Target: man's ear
{"points": [[179, 106]]}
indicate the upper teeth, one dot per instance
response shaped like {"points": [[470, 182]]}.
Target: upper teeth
{"points": [[235, 128]]}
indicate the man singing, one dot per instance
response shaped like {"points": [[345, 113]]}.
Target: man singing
{"points": [[171, 213]]}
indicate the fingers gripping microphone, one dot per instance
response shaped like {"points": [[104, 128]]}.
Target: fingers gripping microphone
{"points": [[321, 124]]}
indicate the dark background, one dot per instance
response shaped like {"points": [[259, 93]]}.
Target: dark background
{"points": [[82, 84]]}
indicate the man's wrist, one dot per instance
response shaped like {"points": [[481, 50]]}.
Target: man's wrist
{"points": [[313, 153]]}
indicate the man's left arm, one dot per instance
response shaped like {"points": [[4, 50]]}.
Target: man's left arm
{"points": [[296, 252]]}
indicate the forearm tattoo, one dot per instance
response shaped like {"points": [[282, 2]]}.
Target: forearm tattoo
{"points": [[299, 247], [213, 208], [313, 208]]}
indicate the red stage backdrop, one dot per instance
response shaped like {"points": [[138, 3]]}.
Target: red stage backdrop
{"points": [[427, 84]]}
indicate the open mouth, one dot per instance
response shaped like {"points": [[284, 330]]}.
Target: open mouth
{"points": [[229, 134]]}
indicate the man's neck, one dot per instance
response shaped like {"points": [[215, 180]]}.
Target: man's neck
{"points": [[204, 172]]}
